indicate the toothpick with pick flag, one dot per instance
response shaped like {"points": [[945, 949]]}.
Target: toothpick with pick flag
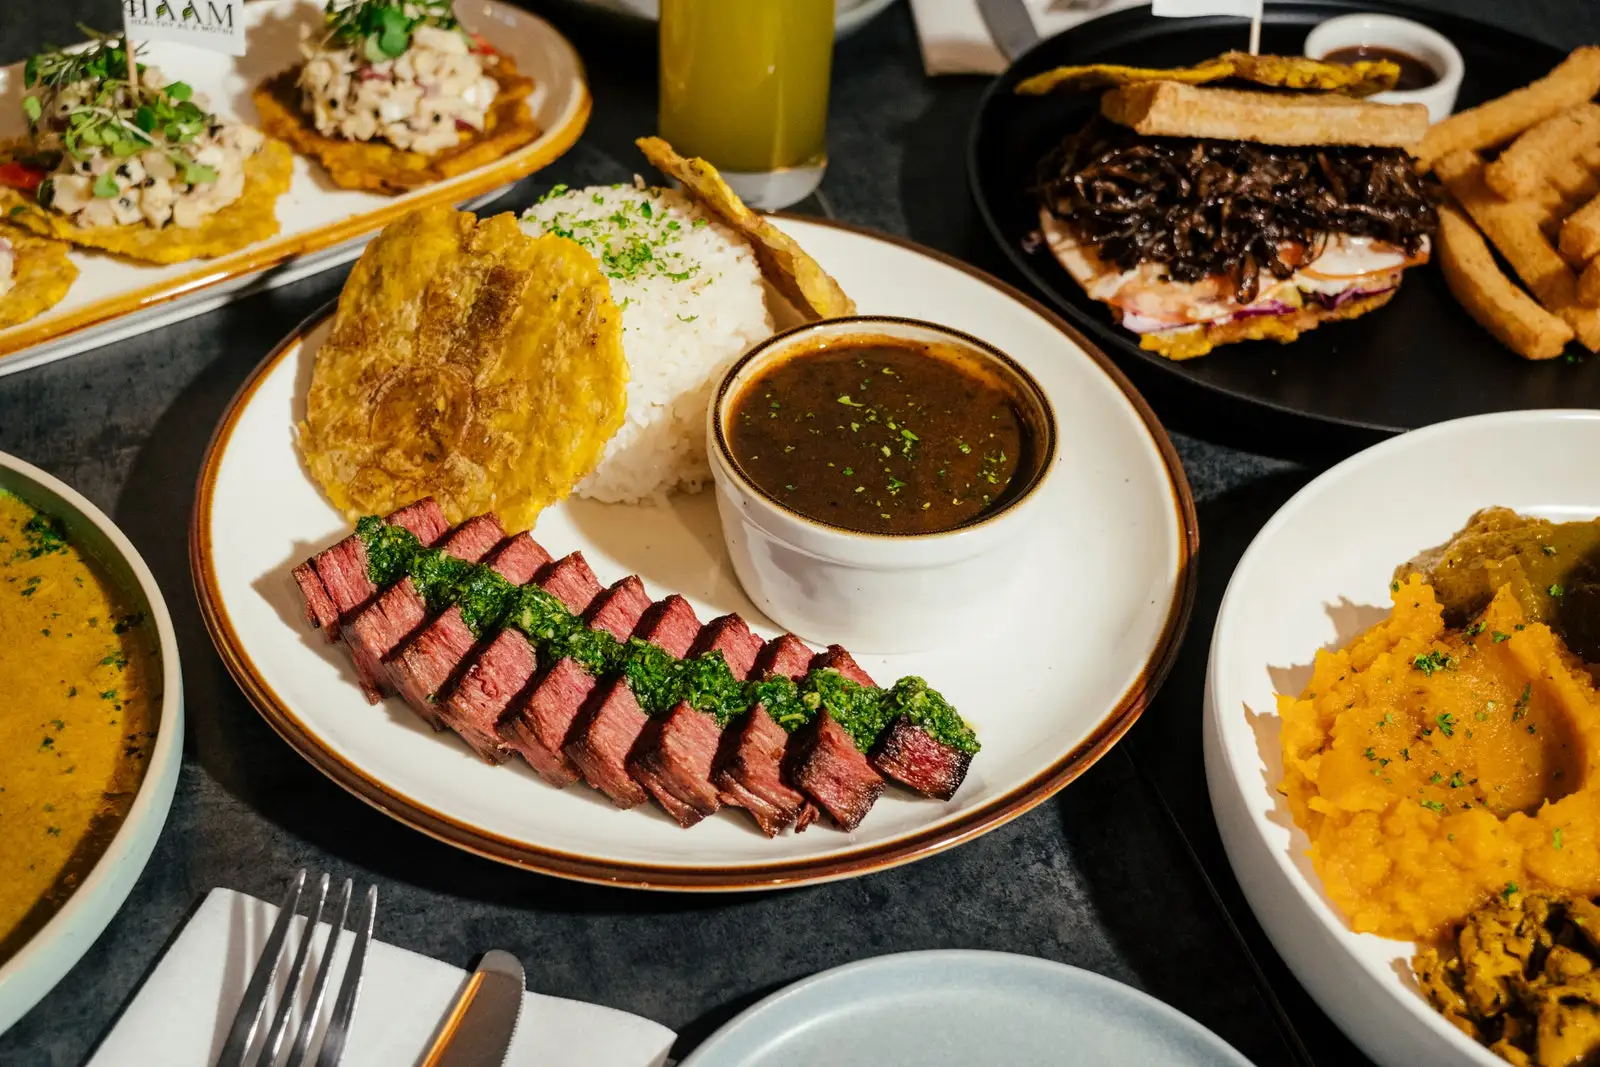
{"points": [[1183, 9]]}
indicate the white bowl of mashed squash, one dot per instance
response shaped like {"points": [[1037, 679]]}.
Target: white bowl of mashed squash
{"points": [[91, 727], [1402, 730]]}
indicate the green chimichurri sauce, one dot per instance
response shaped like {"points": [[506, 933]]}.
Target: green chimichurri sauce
{"points": [[883, 435], [659, 680]]}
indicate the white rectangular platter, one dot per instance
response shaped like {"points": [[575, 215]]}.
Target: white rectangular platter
{"points": [[322, 226]]}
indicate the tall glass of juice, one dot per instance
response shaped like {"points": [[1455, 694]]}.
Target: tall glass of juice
{"points": [[744, 84]]}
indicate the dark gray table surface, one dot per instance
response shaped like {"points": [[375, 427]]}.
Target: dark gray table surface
{"points": [[1121, 873]]}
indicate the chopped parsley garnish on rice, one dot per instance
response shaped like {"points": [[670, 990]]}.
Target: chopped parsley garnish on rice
{"points": [[692, 300]]}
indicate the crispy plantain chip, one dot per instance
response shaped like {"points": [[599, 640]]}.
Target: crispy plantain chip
{"points": [[1109, 76], [1275, 72], [800, 279], [470, 362], [41, 273], [251, 218], [381, 167], [1362, 78]]}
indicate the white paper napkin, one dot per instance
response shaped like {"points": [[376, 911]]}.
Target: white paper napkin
{"points": [[181, 1015], [955, 40]]}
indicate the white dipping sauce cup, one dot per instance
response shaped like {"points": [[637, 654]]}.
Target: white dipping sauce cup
{"points": [[876, 593], [1402, 35]]}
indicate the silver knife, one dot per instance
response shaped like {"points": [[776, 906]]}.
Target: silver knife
{"points": [[1010, 25], [483, 1020]]}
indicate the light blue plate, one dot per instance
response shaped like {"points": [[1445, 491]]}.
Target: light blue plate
{"points": [[961, 1009]]}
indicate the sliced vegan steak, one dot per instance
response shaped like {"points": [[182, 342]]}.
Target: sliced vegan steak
{"points": [[547, 713], [335, 582], [671, 625], [604, 733], [601, 738], [572, 582], [824, 762], [491, 677], [537, 727], [675, 753], [838, 659], [619, 609], [785, 656], [489, 686], [730, 635], [910, 755], [837, 776], [749, 770], [905, 752], [675, 769], [422, 667], [396, 613], [486, 686]]}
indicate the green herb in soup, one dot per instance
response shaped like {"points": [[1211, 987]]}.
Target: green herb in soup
{"points": [[881, 435]]}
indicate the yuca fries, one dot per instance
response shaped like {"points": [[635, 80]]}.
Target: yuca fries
{"points": [[1569, 185], [1589, 284], [1575, 81], [1513, 226], [1580, 234], [1491, 298], [1526, 163]]}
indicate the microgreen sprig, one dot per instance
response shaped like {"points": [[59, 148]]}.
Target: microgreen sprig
{"points": [[117, 115], [383, 27]]}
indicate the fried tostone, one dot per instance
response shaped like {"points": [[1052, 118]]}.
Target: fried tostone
{"points": [[800, 279], [470, 362], [251, 218], [380, 167], [42, 274], [1275, 72]]}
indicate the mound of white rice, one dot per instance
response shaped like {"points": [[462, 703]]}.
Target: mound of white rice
{"points": [[692, 301]]}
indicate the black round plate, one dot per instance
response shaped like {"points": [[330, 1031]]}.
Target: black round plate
{"points": [[1341, 387]]}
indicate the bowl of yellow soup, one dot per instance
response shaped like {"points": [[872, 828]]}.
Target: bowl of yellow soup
{"points": [[91, 727]]}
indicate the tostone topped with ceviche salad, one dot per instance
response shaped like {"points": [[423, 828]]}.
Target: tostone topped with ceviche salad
{"points": [[131, 162], [409, 75], [126, 151], [393, 95]]}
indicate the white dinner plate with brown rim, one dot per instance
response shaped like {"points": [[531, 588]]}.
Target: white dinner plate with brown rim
{"points": [[1316, 575], [1048, 695], [322, 226]]}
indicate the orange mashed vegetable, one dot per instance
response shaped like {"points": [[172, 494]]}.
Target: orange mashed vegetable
{"points": [[1434, 769]]}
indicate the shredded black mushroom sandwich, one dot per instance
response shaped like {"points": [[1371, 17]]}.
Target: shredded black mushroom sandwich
{"points": [[1204, 215]]}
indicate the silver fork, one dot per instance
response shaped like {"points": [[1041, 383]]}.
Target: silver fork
{"points": [[247, 1022]]}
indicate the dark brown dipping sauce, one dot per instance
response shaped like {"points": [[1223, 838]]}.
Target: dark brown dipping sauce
{"points": [[880, 435], [1414, 73]]}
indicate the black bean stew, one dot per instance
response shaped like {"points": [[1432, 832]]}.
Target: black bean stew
{"points": [[882, 435]]}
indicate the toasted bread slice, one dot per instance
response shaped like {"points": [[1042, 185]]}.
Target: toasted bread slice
{"points": [[1170, 109]]}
